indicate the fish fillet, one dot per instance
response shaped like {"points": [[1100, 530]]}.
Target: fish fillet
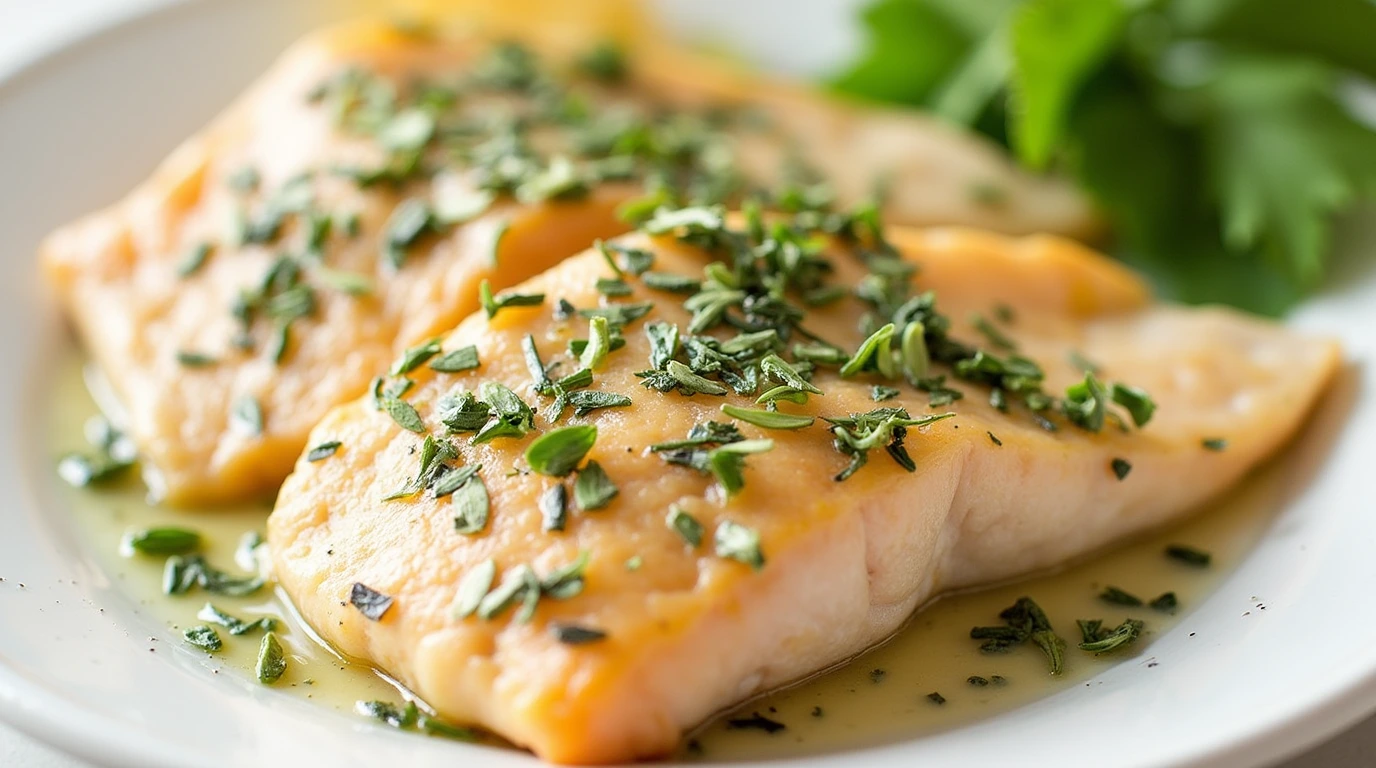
{"points": [[182, 363], [688, 632]]}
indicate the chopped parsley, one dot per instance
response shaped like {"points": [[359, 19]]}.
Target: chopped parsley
{"points": [[737, 542], [369, 602]]}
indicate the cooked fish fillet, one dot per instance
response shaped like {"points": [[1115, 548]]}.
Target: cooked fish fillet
{"points": [[182, 363], [688, 632]]}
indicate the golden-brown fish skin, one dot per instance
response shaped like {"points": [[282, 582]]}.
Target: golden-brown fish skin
{"points": [[688, 632], [116, 271]]}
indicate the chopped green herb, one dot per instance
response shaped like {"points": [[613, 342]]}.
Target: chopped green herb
{"points": [[977, 681], [451, 481], [493, 305], [558, 452], [996, 337], [670, 282], [1121, 468], [470, 504], [1189, 555], [272, 661], [1215, 444], [404, 414], [685, 525], [737, 542], [1138, 403], [415, 357], [1166, 602], [195, 360], [515, 587], [473, 587], [767, 419], [369, 602], [619, 315], [586, 401], [879, 393], [203, 637], [994, 439], [1107, 641], [606, 62], [612, 288], [727, 462], [236, 626], [323, 451], [499, 233], [936, 698], [1116, 596], [593, 489], [164, 541], [534, 365], [875, 353], [599, 344], [757, 722], [410, 220], [572, 634], [461, 359], [554, 504]]}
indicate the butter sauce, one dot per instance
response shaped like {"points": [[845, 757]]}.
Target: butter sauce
{"points": [[879, 697]]}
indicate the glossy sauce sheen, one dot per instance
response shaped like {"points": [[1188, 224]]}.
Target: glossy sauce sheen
{"points": [[879, 697]]}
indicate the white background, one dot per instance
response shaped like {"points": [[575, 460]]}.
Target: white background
{"points": [[30, 28]]}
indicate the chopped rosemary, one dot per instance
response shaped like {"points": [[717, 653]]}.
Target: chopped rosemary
{"points": [[572, 634], [415, 357], [1116, 596], [461, 359], [685, 525], [737, 542], [767, 419], [1099, 640], [492, 305], [164, 541]]}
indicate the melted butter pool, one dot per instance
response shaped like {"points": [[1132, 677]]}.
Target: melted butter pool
{"points": [[884, 695]]}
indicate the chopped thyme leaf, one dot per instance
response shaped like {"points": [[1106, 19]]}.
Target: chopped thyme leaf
{"points": [[1121, 468], [180, 574], [609, 257], [875, 353], [994, 439], [917, 359], [473, 587], [777, 368], [493, 305], [818, 353], [515, 587], [767, 419], [203, 637], [164, 541], [534, 365], [404, 414], [634, 562], [415, 357], [1215, 444], [685, 525], [272, 661], [462, 412], [1189, 555], [577, 380], [1086, 404], [572, 634], [451, 481], [727, 462], [1090, 629], [977, 681], [470, 504], [619, 315], [554, 508], [511, 417], [996, 338], [461, 359], [599, 344], [194, 259], [1116, 596], [566, 581], [879, 393], [886, 428], [936, 698], [586, 401], [593, 489], [1053, 646], [411, 219], [737, 542], [1166, 602], [612, 288], [633, 260], [369, 602], [247, 415], [756, 721], [1138, 403], [670, 282], [664, 343], [1117, 638], [1024, 621], [195, 360], [236, 626], [558, 452], [678, 376]]}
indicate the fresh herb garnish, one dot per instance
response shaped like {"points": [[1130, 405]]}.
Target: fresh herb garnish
{"points": [[572, 634], [235, 626], [767, 419], [247, 415], [369, 602], [1116, 596], [1166, 602], [203, 637], [1214, 444], [737, 542], [272, 660], [471, 505], [559, 451], [461, 359], [323, 450], [404, 414], [685, 525], [1023, 621], [415, 357], [473, 587], [1099, 640], [492, 305], [757, 722], [410, 717], [1189, 555], [593, 489], [1121, 468], [554, 504], [164, 541], [936, 698]]}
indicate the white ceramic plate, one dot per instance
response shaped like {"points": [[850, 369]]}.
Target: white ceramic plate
{"points": [[80, 126]]}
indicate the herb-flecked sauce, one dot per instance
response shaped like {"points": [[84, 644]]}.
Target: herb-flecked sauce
{"points": [[884, 695]]}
